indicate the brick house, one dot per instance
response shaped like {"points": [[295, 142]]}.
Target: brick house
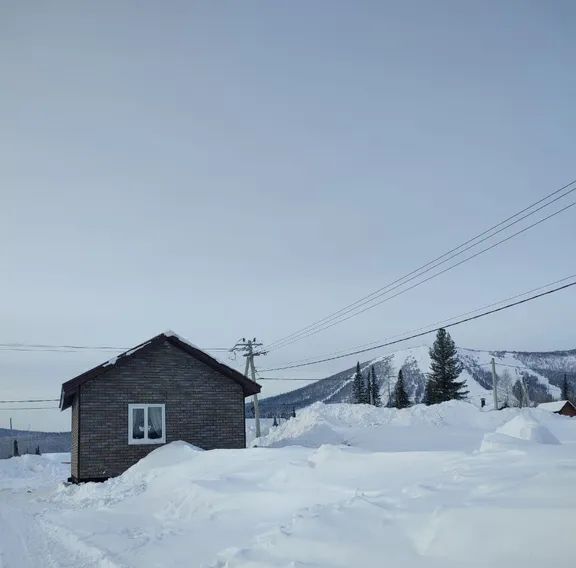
{"points": [[162, 390]]}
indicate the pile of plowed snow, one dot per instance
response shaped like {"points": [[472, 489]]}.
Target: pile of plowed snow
{"points": [[522, 429], [454, 425], [33, 471], [529, 429]]}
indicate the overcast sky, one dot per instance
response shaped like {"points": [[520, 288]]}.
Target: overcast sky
{"points": [[246, 168]]}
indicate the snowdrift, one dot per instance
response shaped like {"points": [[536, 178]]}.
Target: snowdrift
{"points": [[454, 425], [521, 430], [528, 428], [33, 471]]}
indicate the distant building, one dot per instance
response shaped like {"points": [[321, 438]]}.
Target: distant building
{"points": [[162, 390], [563, 407]]}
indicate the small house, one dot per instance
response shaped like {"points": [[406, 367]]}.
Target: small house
{"points": [[563, 407], [160, 391]]}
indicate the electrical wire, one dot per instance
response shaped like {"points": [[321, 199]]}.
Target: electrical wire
{"points": [[31, 408], [459, 322], [295, 379], [75, 348], [428, 266], [448, 253], [435, 275], [439, 322], [524, 368], [30, 400]]}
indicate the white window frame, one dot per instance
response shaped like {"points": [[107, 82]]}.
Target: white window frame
{"points": [[143, 441]]}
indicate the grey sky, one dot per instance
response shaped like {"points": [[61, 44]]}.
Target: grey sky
{"points": [[245, 168]]}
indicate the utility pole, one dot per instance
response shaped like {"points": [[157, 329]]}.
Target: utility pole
{"points": [[494, 384], [247, 347]]}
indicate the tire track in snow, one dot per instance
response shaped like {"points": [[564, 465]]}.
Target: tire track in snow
{"points": [[29, 540]]}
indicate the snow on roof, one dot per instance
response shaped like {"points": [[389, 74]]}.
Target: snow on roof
{"points": [[114, 359], [555, 406], [170, 333]]}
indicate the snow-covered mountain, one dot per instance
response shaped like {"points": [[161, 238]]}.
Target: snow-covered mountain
{"points": [[540, 373]]}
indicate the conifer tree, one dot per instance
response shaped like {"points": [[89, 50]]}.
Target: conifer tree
{"points": [[275, 423], [15, 451], [374, 388], [401, 399], [293, 412], [430, 396], [358, 387], [445, 368]]}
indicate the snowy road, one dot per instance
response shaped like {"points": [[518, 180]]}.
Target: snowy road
{"points": [[503, 501], [28, 536], [23, 542]]}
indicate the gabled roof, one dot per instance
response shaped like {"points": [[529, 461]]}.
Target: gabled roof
{"points": [[555, 406], [70, 388]]}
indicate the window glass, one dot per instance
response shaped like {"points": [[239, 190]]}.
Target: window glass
{"points": [[154, 422], [138, 423]]}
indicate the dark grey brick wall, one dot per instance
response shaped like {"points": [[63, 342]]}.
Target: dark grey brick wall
{"points": [[203, 408], [75, 435]]}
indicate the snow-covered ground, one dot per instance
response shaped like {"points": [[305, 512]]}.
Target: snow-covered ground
{"points": [[338, 486]]}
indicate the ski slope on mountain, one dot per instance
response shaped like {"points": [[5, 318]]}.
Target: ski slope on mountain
{"points": [[541, 373], [338, 486]]}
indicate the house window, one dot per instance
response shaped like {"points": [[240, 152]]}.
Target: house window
{"points": [[146, 424]]}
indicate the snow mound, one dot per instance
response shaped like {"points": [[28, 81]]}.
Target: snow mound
{"points": [[171, 454], [448, 426], [521, 430], [528, 428], [33, 470], [160, 471]]}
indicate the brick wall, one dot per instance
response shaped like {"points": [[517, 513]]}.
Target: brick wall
{"points": [[75, 435], [203, 408]]}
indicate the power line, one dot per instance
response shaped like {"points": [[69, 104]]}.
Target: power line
{"points": [[295, 379], [526, 368], [75, 348], [442, 256], [507, 306], [323, 379], [31, 408], [435, 275], [426, 267], [30, 400], [522, 367], [444, 321]]}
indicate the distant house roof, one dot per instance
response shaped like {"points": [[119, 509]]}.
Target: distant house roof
{"points": [[69, 388], [555, 406]]}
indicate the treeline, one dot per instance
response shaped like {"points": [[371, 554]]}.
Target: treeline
{"points": [[32, 442]]}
